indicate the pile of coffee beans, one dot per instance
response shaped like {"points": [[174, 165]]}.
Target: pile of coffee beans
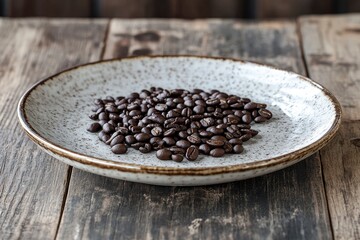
{"points": [[177, 123]]}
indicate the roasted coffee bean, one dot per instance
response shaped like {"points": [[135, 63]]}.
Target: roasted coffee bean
{"points": [[260, 119], [219, 137], [183, 144], [112, 109], [158, 118], [156, 131], [169, 141], [146, 130], [206, 134], [194, 139], [199, 109], [102, 122], [246, 137], [250, 131], [195, 125], [142, 137], [173, 113], [191, 131], [169, 132], [186, 112], [189, 103], [182, 134], [255, 113], [192, 153], [217, 152], [215, 143], [119, 149], [250, 106], [177, 150], [123, 130], [213, 102], [161, 107], [215, 130], [163, 154], [130, 139], [137, 145], [177, 157], [135, 129], [246, 118], [238, 148], [118, 139], [94, 127], [207, 122], [235, 141], [205, 148], [231, 119], [146, 148], [93, 116], [229, 135], [265, 113], [108, 128], [228, 147], [133, 113], [103, 116]]}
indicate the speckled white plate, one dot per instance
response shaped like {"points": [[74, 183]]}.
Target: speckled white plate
{"points": [[54, 115]]}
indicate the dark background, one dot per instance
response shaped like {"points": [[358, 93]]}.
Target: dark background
{"points": [[252, 9]]}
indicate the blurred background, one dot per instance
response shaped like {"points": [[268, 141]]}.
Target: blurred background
{"points": [[189, 9]]}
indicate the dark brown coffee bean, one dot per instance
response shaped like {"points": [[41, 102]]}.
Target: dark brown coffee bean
{"points": [[238, 113], [146, 148], [192, 153], [137, 145], [173, 113], [217, 152], [213, 102], [261, 105], [112, 109], [93, 116], [169, 141], [133, 106], [94, 127], [177, 150], [250, 106], [177, 157], [133, 113], [161, 107], [189, 103], [228, 148], [156, 131], [246, 118], [265, 113], [207, 122], [158, 118], [183, 144], [182, 134], [246, 137], [130, 139], [169, 132], [260, 119], [146, 130], [108, 128], [228, 135], [191, 131], [249, 131], [195, 125], [119, 149], [103, 116], [194, 139], [163, 154], [206, 134], [117, 140], [238, 148], [254, 113], [142, 137], [231, 119], [199, 109], [219, 137], [237, 105], [205, 148], [215, 130], [235, 141], [215, 143]]}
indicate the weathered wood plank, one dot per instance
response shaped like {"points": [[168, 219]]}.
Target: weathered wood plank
{"points": [[32, 184], [288, 204], [332, 53], [49, 8]]}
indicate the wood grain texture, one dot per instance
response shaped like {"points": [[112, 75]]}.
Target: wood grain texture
{"points": [[32, 184], [127, 9], [49, 8], [332, 53], [288, 204]]}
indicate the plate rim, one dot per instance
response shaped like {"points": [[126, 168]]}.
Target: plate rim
{"points": [[102, 163]]}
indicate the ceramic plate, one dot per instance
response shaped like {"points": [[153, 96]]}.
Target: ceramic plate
{"points": [[54, 115]]}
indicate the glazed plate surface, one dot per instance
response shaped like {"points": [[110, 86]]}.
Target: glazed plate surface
{"points": [[54, 113]]}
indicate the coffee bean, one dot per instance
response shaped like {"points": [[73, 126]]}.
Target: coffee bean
{"points": [[235, 141], [103, 116], [182, 134], [194, 139], [116, 140], [215, 130], [119, 149], [207, 122], [177, 150], [246, 118], [250, 106], [199, 109], [219, 137], [94, 127], [192, 153], [215, 143], [169, 132], [130, 139], [246, 137], [169, 141], [228, 148], [183, 144], [206, 134], [177, 157], [142, 137], [161, 107], [217, 152], [108, 128], [260, 119], [238, 148], [265, 113], [163, 154], [156, 131], [254, 113], [146, 148], [205, 148], [213, 102], [137, 145]]}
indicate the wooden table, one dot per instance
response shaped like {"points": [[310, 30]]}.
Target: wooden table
{"points": [[318, 198]]}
